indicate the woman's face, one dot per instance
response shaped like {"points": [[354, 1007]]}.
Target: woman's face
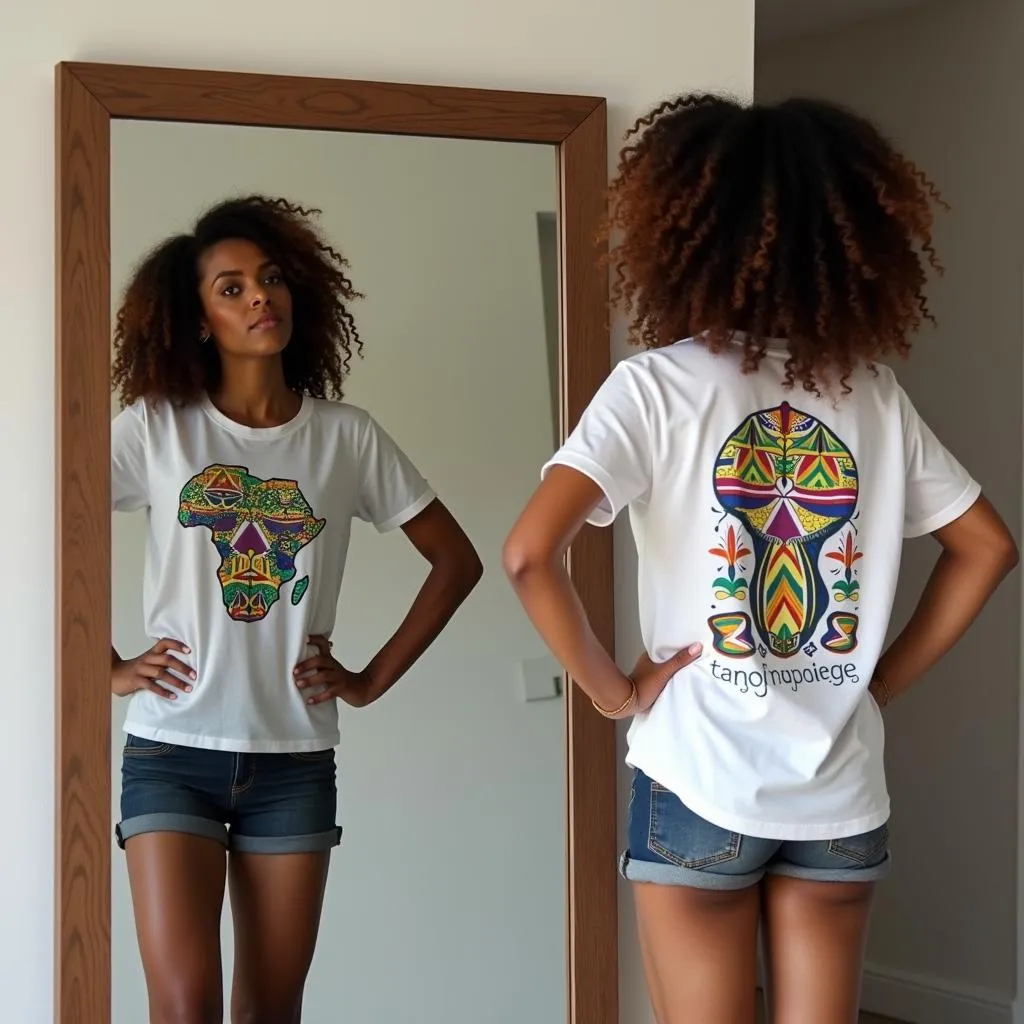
{"points": [[247, 308]]}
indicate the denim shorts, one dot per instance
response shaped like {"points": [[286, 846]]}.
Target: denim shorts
{"points": [[670, 845], [252, 803]]}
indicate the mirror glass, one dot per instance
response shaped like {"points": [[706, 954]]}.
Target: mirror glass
{"points": [[445, 901]]}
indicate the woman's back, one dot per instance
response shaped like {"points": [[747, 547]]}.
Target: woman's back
{"points": [[769, 484], [769, 522]]}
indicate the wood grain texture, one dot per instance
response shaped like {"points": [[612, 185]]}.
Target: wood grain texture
{"points": [[87, 97], [593, 907], [169, 94], [82, 989]]}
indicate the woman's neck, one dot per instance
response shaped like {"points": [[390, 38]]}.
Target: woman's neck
{"points": [[256, 395]]}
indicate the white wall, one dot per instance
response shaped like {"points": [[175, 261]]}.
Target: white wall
{"points": [[452, 787], [942, 80], [634, 54]]}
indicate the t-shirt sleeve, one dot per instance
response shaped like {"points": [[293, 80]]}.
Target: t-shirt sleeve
{"points": [[938, 488], [129, 479], [391, 489], [611, 444]]}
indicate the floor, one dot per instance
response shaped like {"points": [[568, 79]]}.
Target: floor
{"points": [[865, 1018]]}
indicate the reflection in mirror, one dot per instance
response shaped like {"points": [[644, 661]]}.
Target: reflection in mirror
{"points": [[445, 901]]}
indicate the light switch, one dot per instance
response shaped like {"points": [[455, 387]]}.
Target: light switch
{"points": [[540, 679]]}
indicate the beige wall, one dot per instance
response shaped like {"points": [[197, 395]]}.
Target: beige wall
{"points": [[634, 54], [943, 81]]}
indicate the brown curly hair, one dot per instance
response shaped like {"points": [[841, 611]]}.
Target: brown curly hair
{"points": [[797, 221], [157, 348]]}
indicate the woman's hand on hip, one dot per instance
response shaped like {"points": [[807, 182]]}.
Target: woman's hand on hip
{"points": [[651, 677], [334, 681], [157, 670]]}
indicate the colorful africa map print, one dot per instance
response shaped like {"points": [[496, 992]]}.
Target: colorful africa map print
{"points": [[258, 528]]}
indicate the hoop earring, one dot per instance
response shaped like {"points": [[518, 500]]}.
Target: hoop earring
{"points": [[204, 339]]}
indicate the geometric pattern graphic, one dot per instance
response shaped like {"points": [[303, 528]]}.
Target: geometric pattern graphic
{"points": [[792, 483], [258, 528], [841, 635], [847, 588], [732, 635], [732, 584]]}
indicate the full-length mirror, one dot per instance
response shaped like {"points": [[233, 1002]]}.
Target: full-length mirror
{"points": [[313, 761], [450, 872]]}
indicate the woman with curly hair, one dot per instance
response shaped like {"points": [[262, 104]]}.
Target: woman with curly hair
{"points": [[232, 346], [771, 466]]}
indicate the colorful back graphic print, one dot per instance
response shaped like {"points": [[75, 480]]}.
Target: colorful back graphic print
{"points": [[787, 485], [258, 528]]}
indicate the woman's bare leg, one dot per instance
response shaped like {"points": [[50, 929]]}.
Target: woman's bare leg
{"points": [[177, 885], [816, 935], [276, 900], [700, 953]]}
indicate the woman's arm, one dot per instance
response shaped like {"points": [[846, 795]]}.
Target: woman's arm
{"points": [[534, 558], [455, 569], [977, 553]]}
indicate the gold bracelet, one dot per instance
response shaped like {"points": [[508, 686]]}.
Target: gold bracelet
{"points": [[622, 707], [883, 687]]}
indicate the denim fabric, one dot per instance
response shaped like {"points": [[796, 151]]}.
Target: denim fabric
{"points": [[669, 844], [252, 803]]}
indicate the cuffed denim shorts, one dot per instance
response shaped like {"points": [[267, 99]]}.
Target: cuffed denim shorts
{"points": [[252, 803], [670, 845]]}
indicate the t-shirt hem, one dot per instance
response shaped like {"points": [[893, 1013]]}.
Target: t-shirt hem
{"points": [[573, 460], [410, 512], [950, 513], [234, 746], [781, 831]]}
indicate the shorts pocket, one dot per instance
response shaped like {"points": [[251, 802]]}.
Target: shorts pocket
{"points": [[685, 839], [312, 756], [864, 850], [137, 746]]}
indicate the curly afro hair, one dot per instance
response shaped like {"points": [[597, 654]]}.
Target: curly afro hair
{"points": [[157, 348], [797, 221]]}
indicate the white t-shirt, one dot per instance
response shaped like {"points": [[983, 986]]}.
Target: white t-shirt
{"points": [[247, 539], [769, 526]]}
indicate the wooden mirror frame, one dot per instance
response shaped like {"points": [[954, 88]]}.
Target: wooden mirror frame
{"points": [[88, 97]]}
